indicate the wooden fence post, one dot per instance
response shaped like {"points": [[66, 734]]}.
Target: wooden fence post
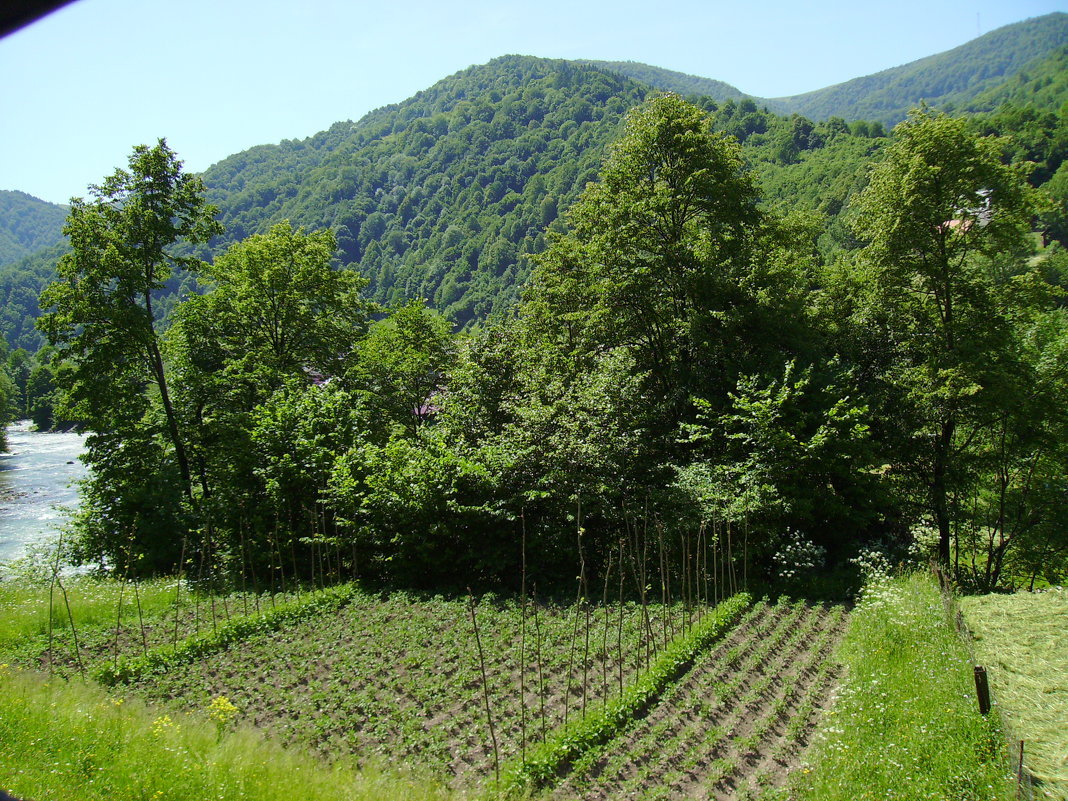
{"points": [[982, 689]]}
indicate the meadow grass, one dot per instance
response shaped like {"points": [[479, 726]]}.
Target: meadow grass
{"points": [[24, 606], [1022, 639], [905, 724], [70, 741]]}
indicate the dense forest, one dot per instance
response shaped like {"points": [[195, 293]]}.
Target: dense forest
{"points": [[540, 307]]}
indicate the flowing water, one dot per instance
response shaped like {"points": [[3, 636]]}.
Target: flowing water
{"points": [[36, 477]]}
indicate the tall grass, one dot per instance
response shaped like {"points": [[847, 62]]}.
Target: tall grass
{"points": [[906, 724], [24, 604], [72, 742]]}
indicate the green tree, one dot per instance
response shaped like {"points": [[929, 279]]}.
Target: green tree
{"points": [[658, 253], [102, 313], [943, 218], [278, 318]]}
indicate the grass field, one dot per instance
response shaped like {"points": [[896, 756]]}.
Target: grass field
{"points": [[1022, 639], [905, 724], [69, 741]]}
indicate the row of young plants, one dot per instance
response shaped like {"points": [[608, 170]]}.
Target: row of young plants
{"points": [[570, 743], [164, 658], [103, 628], [738, 718]]}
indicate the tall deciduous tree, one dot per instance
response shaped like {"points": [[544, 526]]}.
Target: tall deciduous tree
{"points": [[659, 251], [942, 216], [101, 312]]}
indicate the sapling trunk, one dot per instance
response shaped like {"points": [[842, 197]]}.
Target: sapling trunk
{"points": [[73, 628], [607, 624], [523, 641], [485, 690], [178, 592], [245, 568], [140, 618], [196, 595], [619, 630], [541, 674], [585, 591], [585, 656], [730, 561], [663, 584], [118, 606], [575, 628]]}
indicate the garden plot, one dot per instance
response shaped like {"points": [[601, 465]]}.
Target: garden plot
{"points": [[734, 725], [400, 677]]}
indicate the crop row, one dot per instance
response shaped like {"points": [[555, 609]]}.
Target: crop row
{"points": [[736, 722]]}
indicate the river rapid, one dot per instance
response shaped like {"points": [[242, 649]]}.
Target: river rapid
{"points": [[36, 477]]}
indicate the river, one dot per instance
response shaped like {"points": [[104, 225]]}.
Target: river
{"points": [[36, 476]]}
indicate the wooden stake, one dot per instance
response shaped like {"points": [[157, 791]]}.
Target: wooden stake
{"points": [[982, 690], [485, 690]]}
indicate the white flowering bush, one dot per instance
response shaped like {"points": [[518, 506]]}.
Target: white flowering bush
{"points": [[797, 556]]}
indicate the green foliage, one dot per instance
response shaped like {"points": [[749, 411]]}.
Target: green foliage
{"points": [[27, 225]]}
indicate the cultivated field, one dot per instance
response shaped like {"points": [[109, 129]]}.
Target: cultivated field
{"points": [[735, 725], [616, 701]]}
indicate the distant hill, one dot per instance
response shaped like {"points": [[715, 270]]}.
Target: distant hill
{"points": [[1042, 83], [670, 81], [950, 79], [28, 225], [955, 79]]}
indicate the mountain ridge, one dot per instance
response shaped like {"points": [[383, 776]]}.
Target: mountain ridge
{"points": [[951, 77]]}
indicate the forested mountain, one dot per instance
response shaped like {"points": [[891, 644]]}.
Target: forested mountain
{"points": [[671, 81], [957, 78], [20, 284], [946, 80], [27, 225], [446, 195]]}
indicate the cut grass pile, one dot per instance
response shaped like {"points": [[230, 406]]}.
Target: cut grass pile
{"points": [[1022, 639], [906, 723], [73, 742]]}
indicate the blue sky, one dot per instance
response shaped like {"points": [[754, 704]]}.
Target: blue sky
{"points": [[79, 88]]}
